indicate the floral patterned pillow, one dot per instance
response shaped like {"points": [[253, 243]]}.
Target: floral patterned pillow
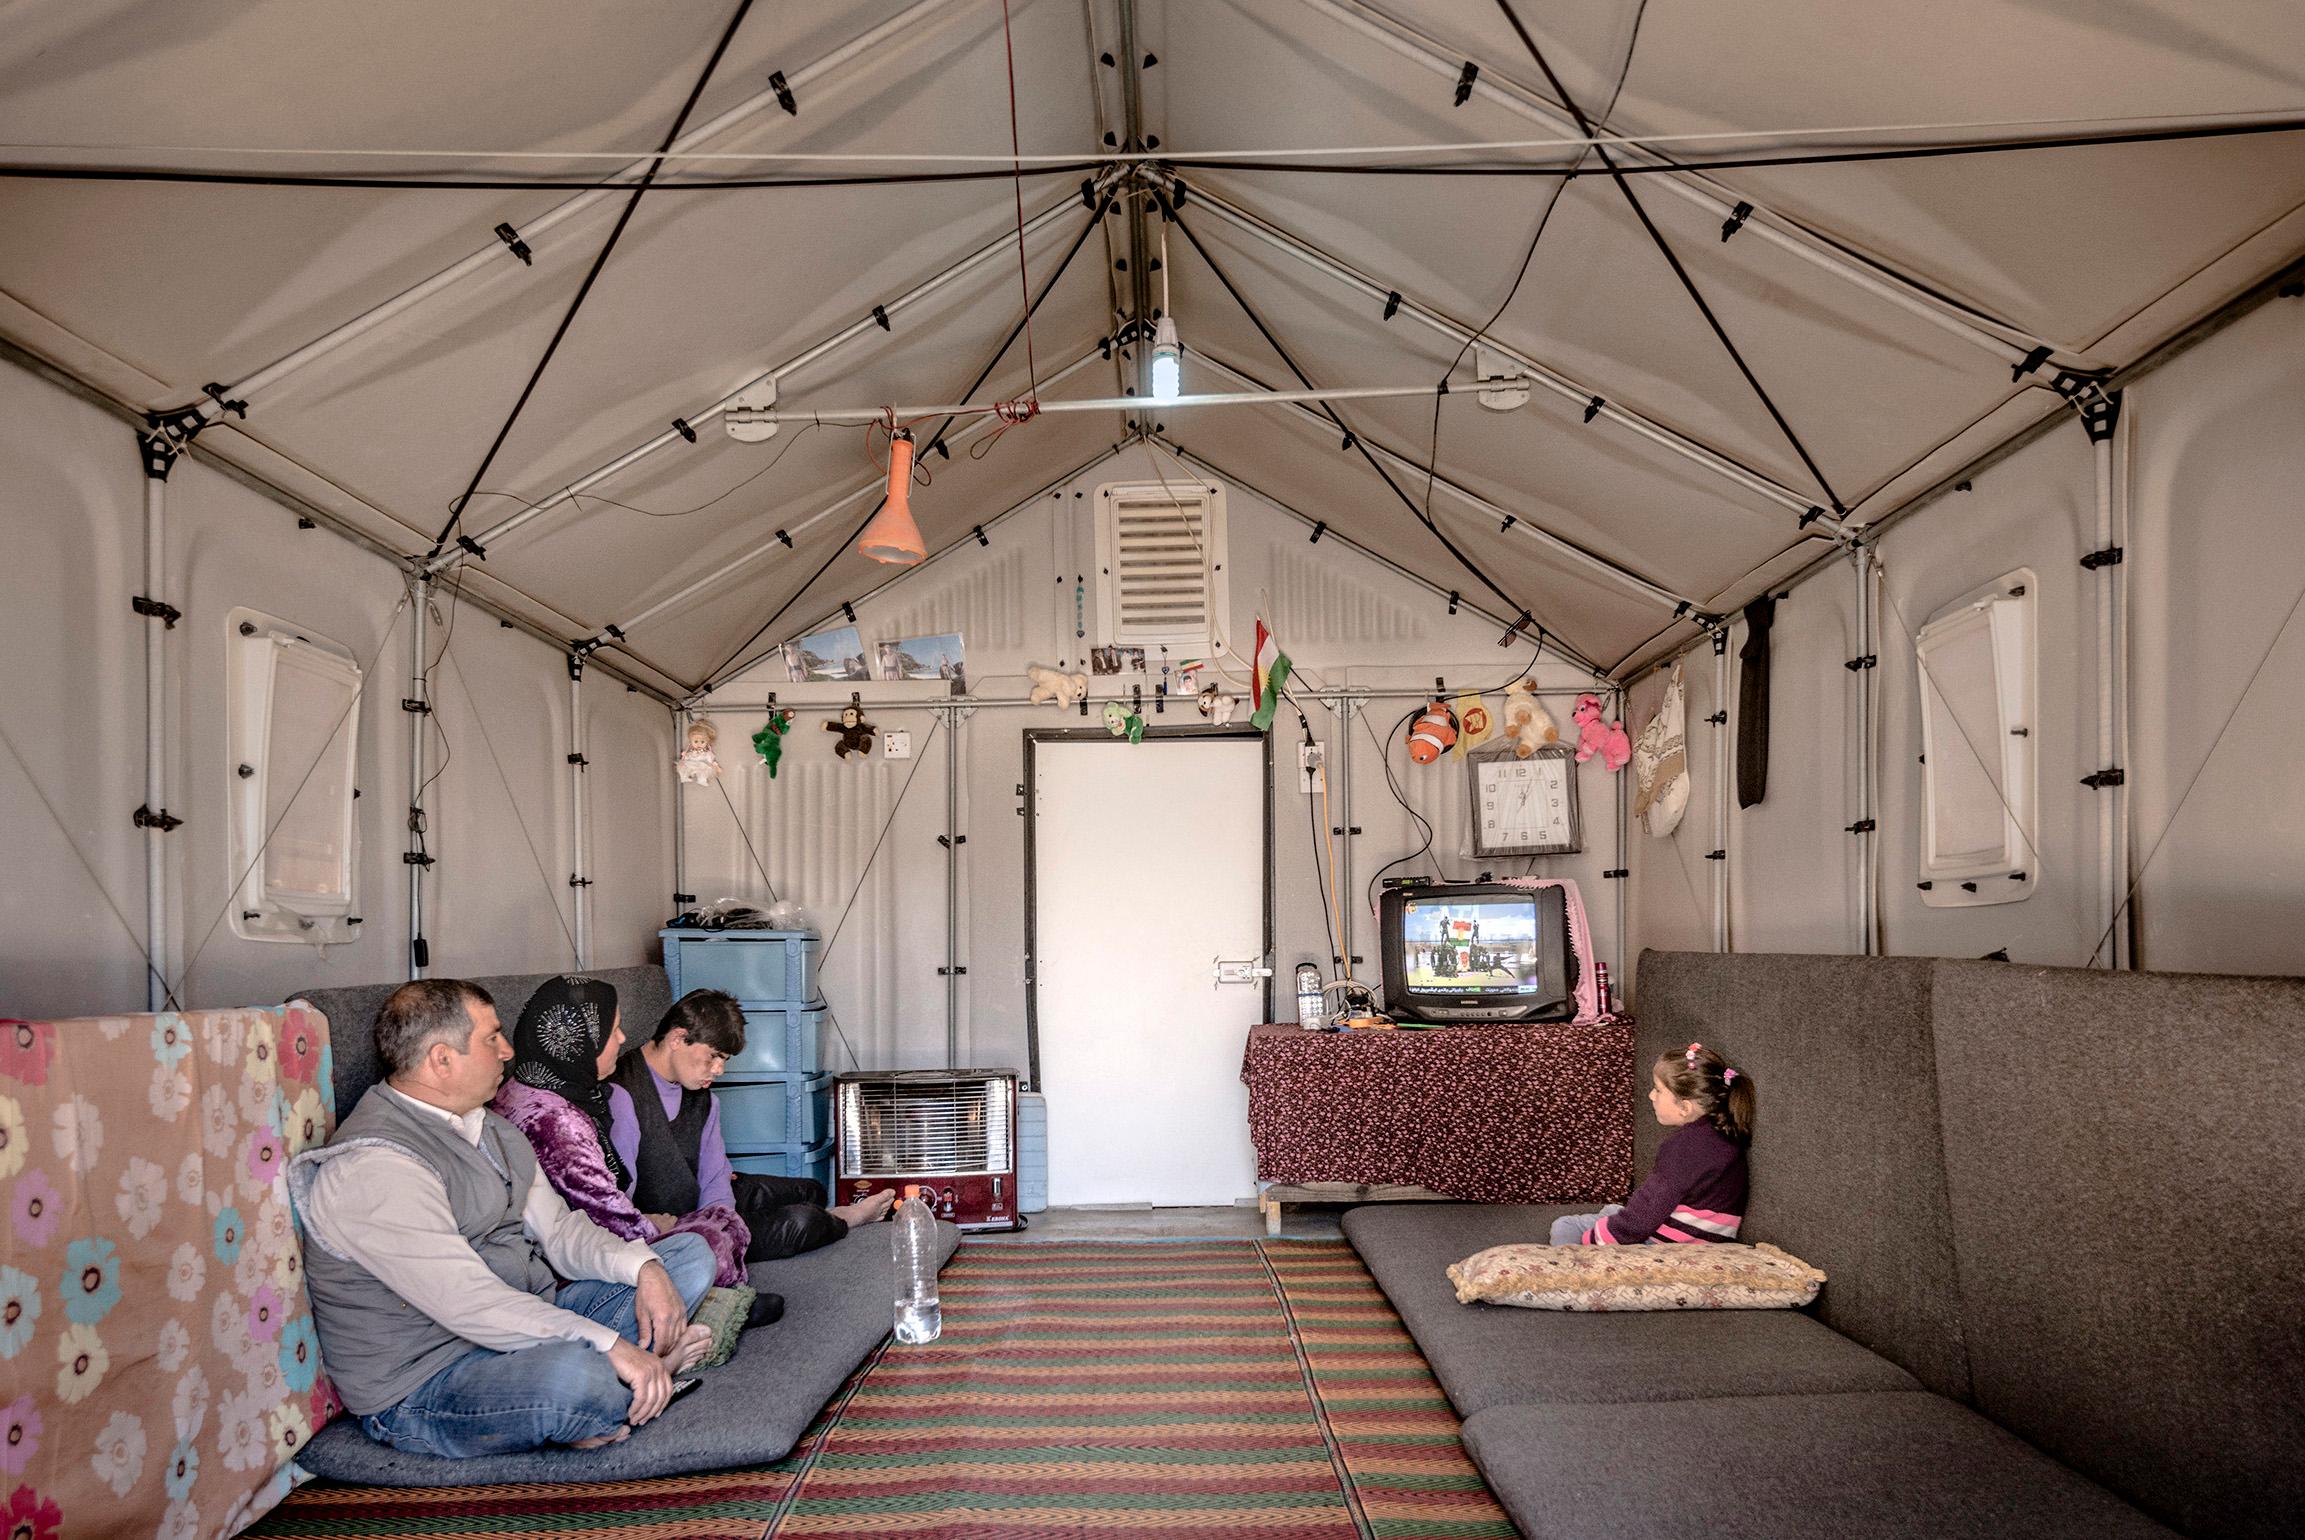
{"points": [[158, 1366], [1724, 1276]]}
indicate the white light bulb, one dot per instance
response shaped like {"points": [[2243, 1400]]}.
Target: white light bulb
{"points": [[1167, 361]]}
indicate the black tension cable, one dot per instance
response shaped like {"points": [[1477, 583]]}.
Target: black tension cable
{"points": [[933, 441], [672, 137], [1672, 259], [1408, 502]]}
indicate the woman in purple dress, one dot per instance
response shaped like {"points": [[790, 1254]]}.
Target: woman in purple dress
{"points": [[558, 1094]]}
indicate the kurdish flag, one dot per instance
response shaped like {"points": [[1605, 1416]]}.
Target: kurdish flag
{"points": [[1270, 672]]}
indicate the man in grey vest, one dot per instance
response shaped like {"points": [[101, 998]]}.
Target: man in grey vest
{"points": [[434, 1244]]}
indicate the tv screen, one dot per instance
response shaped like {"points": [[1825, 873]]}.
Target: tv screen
{"points": [[1477, 946], [1477, 952]]}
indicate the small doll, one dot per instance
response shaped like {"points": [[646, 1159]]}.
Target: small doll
{"points": [[697, 763], [855, 732]]}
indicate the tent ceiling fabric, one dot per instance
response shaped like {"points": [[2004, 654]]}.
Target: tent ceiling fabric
{"points": [[2100, 250]]}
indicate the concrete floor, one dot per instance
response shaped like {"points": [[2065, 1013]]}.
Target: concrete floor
{"points": [[1309, 1221]]}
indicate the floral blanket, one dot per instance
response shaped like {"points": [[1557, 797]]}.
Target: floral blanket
{"points": [[157, 1358]]}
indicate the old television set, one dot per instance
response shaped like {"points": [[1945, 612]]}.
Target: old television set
{"points": [[1476, 952]]}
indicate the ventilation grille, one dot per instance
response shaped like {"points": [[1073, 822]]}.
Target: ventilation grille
{"points": [[929, 1126], [1156, 551]]}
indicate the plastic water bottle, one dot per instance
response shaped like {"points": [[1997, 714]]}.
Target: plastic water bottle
{"points": [[1312, 1010], [919, 1316]]}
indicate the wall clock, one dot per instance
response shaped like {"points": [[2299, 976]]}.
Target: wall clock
{"points": [[1524, 807]]}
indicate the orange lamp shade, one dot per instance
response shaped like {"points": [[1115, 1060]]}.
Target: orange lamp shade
{"points": [[892, 536]]}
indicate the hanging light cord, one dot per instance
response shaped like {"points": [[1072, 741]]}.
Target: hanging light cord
{"points": [[1023, 281]]}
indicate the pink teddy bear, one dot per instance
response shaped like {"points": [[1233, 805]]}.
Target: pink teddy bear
{"points": [[1594, 736]]}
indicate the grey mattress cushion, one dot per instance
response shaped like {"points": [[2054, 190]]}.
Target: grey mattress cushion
{"points": [[1496, 1355], [1848, 1153], [642, 995], [2120, 1149], [1894, 1465], [751, 1410]]}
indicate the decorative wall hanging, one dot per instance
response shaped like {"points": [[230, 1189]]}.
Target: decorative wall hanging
{"points": [[697, 763], [1753, 703], [1122, 722], [1661, 762], [1432, 733], [768, 743], [1527, 723], [925, 657], [1598, 737], [855, 732], [837, 654], [1053, 687]]}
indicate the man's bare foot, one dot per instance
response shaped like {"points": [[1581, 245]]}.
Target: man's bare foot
{"points": [[867, 1209], [605, 1439], [689, 1349]]}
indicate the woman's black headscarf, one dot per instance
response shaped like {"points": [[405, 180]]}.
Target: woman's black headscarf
{"points": [[557, 1047]]}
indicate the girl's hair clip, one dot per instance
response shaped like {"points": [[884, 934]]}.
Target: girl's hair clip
{"points": [[1728, 1077]]}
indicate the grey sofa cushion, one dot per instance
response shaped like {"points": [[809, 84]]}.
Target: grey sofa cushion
{"points": [[1883, 1465], [2123, 1150], [1494, 1355], [751, 1410], [1848, 1153], [642, 994]]}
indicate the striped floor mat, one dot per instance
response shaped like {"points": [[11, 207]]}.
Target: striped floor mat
{"points": [[1186, 1389]]}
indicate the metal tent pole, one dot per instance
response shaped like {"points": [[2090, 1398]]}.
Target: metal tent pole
{"points": [[153, 817], [532, 229], [1348, 705], [579, 885], [418, 706], [1622, 872], [681, 897], [1598, 402], [1722, 771], [1868, 924], [1737, 212], [953, 839], [2108, 433]]}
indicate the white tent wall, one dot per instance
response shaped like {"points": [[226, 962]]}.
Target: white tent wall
{"points": [[1345, 619], [71, 699], [2213, 556]]}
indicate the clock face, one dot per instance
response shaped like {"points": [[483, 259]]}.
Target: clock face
{"points": [[1525, 806]]}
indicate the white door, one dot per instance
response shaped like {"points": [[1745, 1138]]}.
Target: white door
{"points": [[1148, 867]]}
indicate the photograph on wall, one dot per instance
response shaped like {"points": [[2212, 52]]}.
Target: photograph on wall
{"points": [[837, 654], [1115, 660], [925, 657]]}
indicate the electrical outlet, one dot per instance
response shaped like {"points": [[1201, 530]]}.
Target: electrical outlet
{"points": [[1312, 765], [897, 745]]}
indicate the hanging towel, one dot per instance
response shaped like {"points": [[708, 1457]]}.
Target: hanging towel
{"points": [[1661, 763], [1753, 703]]}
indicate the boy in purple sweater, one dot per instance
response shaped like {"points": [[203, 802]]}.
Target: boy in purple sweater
{"points": [[1696, 1191]]}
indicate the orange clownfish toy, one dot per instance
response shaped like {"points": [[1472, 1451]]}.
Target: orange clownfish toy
{"points": [[1432, 734]]}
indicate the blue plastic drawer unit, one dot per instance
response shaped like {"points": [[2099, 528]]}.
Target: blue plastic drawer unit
{"points": [[774, 1110], [813, 1161], [759, 967], [780, 1039]]}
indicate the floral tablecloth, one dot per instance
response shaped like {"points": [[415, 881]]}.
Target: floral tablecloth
{"points": [[1490, 1114], [157, 1359]]}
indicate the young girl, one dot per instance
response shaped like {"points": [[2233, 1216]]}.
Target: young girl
{"points": [[1696, 1190]]}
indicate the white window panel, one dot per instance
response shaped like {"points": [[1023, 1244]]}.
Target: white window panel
{"points": [[1160, 557], [293, 732], [1980, 746]]}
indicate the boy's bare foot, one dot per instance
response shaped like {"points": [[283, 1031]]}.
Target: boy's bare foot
{"points": [[867, 1209], [688, 1350], [605, 1439]]}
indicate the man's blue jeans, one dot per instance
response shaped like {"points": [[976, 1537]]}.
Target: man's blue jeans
{"points": [[557, 1393]]}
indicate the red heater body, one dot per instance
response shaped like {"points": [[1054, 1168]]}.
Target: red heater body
{"points": [[950, 1132]]}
